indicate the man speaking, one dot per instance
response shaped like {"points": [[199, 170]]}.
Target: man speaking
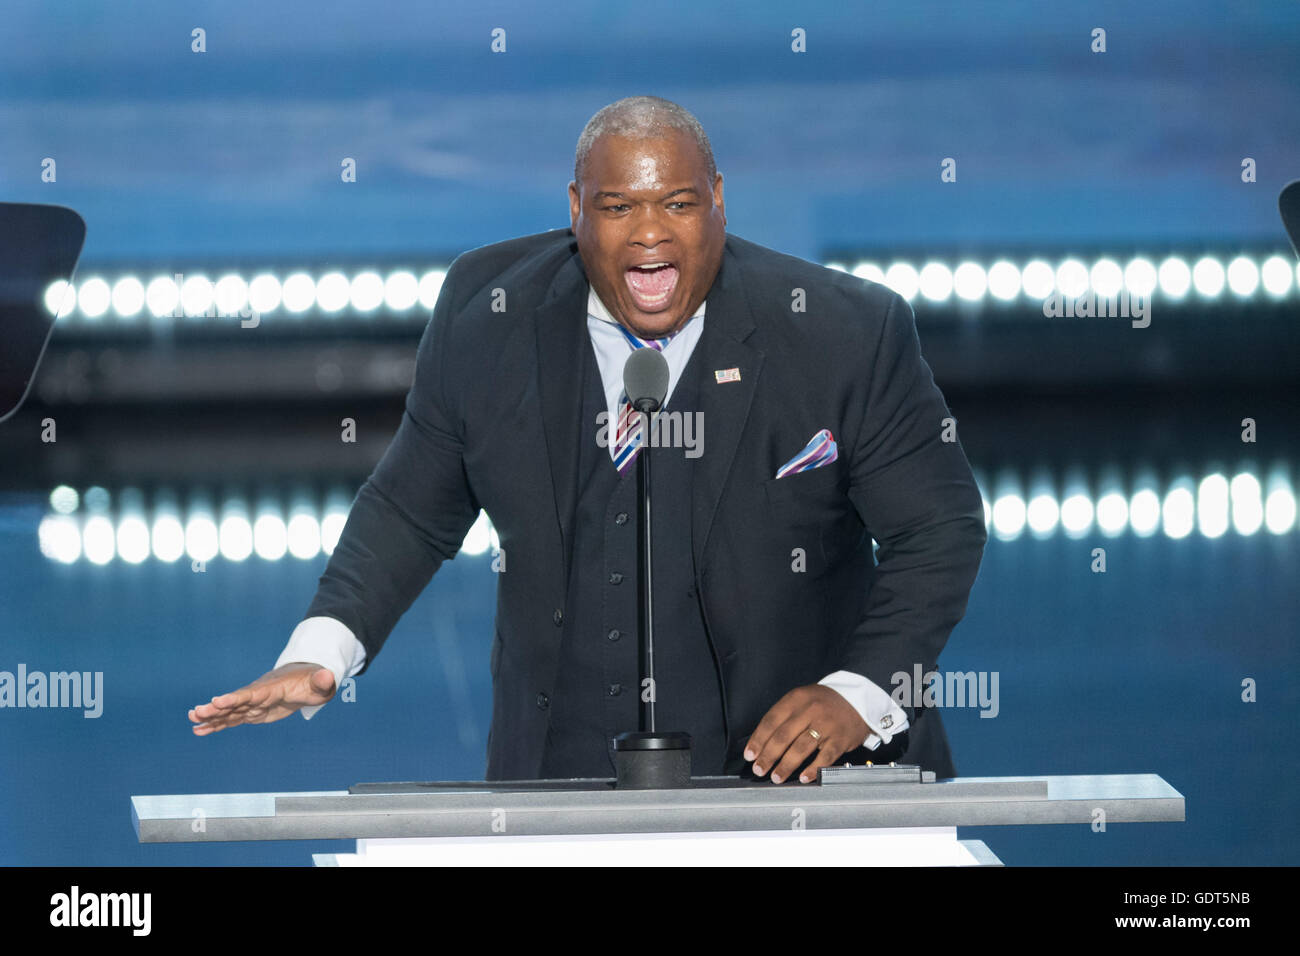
{"points": [[777, 631]]}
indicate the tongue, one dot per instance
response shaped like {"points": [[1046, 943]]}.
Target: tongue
{"points": [[651, 289]]}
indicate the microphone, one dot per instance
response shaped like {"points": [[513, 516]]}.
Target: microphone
{"points": [[645, 379], [1288, 203], [648, 759]]}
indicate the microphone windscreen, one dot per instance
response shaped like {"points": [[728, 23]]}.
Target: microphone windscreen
{"points": [[1289, 204], [645, 379]]}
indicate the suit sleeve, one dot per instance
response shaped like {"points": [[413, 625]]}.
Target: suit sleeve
{"points": [[919, 501], [414, 510]]}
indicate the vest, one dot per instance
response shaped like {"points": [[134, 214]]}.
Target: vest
{"points": [[597, 692]]}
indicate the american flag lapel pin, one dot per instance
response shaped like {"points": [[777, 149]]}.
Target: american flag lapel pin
{"points": [[726, 375]]}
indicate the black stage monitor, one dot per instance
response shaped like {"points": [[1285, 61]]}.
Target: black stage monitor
{"points": [[38, 246]]}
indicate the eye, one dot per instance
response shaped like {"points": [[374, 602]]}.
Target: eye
{"points": [[680, 204], [617, 207]]}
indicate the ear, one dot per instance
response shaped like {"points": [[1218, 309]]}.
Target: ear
{"points": [[717, 197], [575, 205]]}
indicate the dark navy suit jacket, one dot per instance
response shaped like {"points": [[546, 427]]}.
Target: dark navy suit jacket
{"points": [[492, 421]]}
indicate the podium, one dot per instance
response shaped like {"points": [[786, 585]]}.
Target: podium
{"points": [[717, 820]]}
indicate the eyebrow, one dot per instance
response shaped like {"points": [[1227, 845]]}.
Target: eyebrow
{"points": [[604, 194]]}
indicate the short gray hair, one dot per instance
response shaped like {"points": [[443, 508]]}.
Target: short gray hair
{"points": [[642, 117]]}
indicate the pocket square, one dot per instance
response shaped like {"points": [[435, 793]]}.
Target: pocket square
{"points": [[822, 450]]}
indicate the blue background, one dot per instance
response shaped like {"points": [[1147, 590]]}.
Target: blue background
{"points": [[168, 153]]}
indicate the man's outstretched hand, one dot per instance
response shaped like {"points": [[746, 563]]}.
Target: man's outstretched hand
{"points": [[276, 694], [782, 742]]}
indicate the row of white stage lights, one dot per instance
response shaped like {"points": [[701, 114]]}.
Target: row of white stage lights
{"points": [[1173, 279], [92, 527], [1111, 507], [129, 298], [89, 527]]}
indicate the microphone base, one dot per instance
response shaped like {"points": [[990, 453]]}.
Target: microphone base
{"points": [[652, 761]]}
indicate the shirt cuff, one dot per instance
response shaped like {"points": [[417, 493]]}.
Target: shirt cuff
{"points": [[328, 643], [878, 710]]}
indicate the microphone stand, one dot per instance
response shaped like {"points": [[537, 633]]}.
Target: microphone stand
{"points": [[648, 759], [645, 576]]}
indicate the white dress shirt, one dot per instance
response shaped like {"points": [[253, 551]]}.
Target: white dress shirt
{"points": [[329, 643]]}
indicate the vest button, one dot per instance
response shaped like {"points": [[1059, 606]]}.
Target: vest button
{"points": [[615, 689], [615, 634], [615, 578], [620, 518], [558, 617], [543, 702]]}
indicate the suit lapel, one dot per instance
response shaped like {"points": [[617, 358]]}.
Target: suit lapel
{"points": [[561, 338], [728, 322]]}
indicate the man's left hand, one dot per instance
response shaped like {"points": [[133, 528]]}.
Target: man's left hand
{"points": [[809, 718]]}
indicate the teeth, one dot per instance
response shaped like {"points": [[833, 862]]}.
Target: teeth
{"points": [[653, 265]]}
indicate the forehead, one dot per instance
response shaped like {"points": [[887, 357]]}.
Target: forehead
{"points": [[626, 163]]}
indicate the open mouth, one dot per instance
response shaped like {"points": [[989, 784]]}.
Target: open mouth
{"points": [[651, 285]]}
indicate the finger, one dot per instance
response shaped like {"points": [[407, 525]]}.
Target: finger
{"points": [[255, 695], [198, 718], [827, 755], [226, 710], [801, 748], [774, 718], [232, 699], [221, 706], [223, 703], [316, 686], [276, 699], [779, 742], [217, 722], [232, 719], [204, 711]]}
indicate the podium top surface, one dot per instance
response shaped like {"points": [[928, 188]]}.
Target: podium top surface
{"points": [[471, 808]]}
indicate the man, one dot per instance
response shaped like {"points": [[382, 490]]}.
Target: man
{"points": [[776, 631]]}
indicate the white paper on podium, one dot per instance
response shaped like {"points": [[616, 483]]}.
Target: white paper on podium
{"points": [[901, 846]]}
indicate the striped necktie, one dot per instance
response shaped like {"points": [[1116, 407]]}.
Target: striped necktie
{"points": [[627, 433]]}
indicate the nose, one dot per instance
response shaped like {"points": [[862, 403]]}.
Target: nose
{"points": [[649, 228]]}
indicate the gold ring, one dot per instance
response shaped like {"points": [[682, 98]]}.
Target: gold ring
{"points": [[816, 736]]}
